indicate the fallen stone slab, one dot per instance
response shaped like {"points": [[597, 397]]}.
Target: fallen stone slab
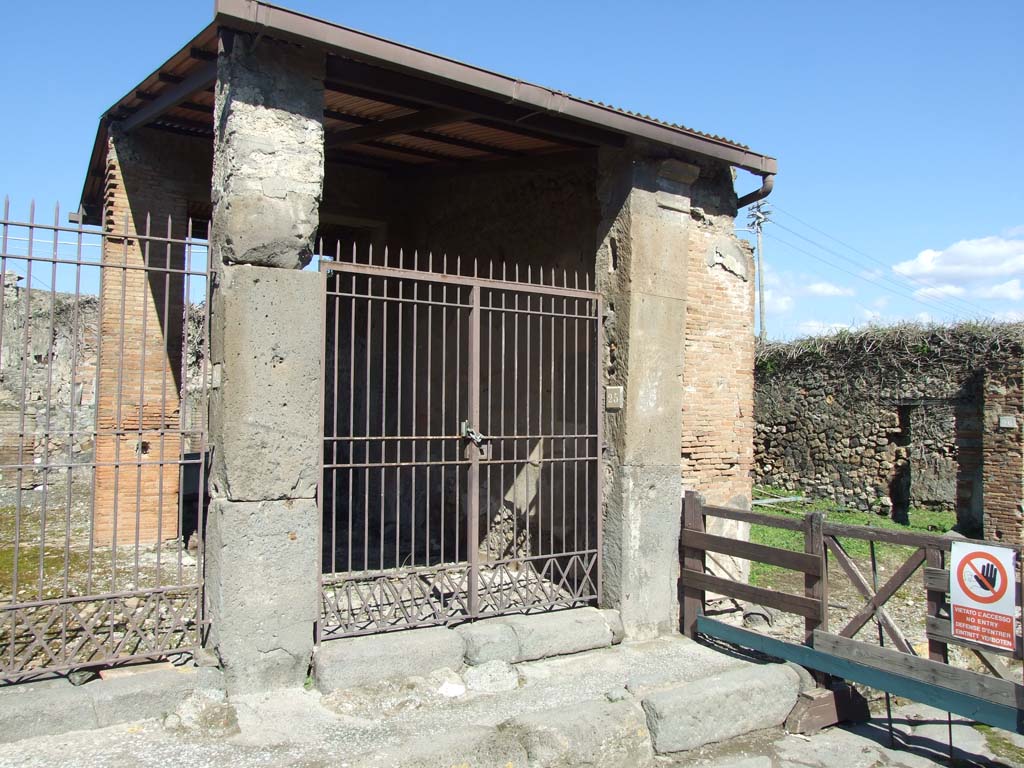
{"points": [[594, 734], [722, 707], [352, 662]]}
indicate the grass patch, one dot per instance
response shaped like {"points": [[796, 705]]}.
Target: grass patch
{"points": [[921, 521], [1000, 745]]}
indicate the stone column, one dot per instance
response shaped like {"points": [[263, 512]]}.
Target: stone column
{"points": [[150, 179], [642, 272], [1003, 455], [266, 344]]}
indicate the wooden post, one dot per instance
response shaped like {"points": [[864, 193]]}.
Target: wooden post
{"points": [[815, 587], [937, 650], [693, 560]]}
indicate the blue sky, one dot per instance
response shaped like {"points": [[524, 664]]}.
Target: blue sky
{"points": [[897, 125]]}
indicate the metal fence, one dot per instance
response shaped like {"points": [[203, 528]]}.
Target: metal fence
{"points": [[103, 382], [462, 443]]}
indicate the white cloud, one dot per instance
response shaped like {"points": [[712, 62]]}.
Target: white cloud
{"points": [[1011, 290], [871, 315], [983, 257], [881, 302], [1014, 231], [776, 301], [828, 289], [939, 291], [1010, 316], [818, 327]]}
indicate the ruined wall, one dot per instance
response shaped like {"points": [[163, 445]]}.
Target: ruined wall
{"points": [[47, 382], [888, 419]]}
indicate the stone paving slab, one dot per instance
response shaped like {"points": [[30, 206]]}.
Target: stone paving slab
{"points": [[407, 721]]}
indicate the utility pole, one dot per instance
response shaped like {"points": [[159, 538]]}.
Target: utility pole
{"points": [[757, 216]]}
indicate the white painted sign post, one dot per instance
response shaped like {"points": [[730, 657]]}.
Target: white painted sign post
{"points": [[983, 594]]}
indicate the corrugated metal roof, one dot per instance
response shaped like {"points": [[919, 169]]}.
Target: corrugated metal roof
{"points": [[512, 118]]}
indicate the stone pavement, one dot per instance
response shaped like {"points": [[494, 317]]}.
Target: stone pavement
{"points": [[921, 735], [582, 709]]}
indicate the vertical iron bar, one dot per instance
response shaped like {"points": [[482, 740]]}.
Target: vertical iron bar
{"points": [[473, 481]]}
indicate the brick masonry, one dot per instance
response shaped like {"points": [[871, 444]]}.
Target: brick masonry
{"points": [[138, 442]]}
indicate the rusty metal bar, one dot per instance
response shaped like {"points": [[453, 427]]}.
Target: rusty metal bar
{"points": [[89, 583]]}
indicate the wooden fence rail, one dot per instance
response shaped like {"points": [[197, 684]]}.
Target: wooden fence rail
{"points": [[839, 650]]}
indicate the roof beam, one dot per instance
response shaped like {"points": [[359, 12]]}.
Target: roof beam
{"points": [[393, 85], [382, 129], [201, 79]]}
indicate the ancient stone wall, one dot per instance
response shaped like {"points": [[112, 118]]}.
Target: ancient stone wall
{"points": [[889, 419]]}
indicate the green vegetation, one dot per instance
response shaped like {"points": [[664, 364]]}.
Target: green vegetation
{"points": [[921, 521], [1000, 745]]}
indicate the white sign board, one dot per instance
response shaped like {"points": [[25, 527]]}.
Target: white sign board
{"points": [[983, 594]]}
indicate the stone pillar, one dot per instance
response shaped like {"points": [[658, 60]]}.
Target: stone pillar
{"points": [[150, 178], [1003, 455], [266, 344], [642, 272]]}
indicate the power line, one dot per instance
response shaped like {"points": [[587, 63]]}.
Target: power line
{"points": [[901, 294], [921, 282]]}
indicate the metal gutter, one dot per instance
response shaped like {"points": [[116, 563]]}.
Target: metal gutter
{"points": [[261, 17]]}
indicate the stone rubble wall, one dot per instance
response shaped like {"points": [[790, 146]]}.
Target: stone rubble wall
{"points": [[851, 417], [48, 361]]}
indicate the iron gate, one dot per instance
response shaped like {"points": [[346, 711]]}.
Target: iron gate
{"points": [[103, 384], [462, 444]]}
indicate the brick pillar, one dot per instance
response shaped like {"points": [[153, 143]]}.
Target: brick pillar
{"points": [[642, 271], [718, 377], [138, 400], [1003, 455], [266, 345]]}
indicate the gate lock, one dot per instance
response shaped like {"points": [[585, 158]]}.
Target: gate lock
{"points": [[482, 442]]}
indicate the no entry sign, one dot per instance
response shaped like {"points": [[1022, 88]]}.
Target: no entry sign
{"points": [[983, 595]]}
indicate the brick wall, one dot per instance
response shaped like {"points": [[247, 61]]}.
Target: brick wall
{"points": [[1003, 456], [138, 445], [718, 379]]}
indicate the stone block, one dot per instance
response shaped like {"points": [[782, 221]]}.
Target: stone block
{"points": [[595, 734], [712, 710], [641, 548], [614, 622], [42, 709], [267, 339], [514, 639], [147, 695], [261, 585], [540, 636], [489, 640], [357, 661], [268, 165]]}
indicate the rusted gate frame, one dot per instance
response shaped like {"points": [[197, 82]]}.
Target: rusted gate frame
{"points": [[65, 626], [477, 296]]}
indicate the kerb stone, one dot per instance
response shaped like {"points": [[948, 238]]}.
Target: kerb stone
{"points": [[41, 709], [514, 639], [559, 633], [712, 710], [140, 697], [356, 661]]}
